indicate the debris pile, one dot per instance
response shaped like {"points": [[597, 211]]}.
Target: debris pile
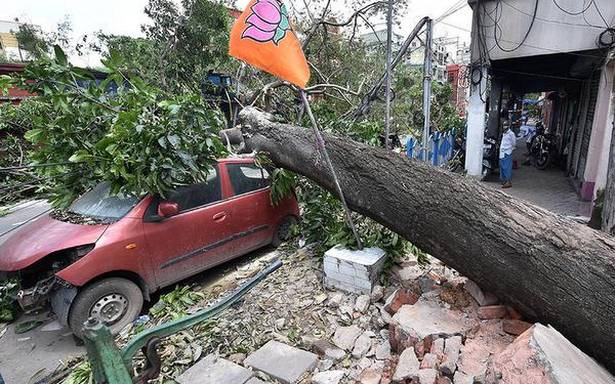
{"points": [[429, 326]]}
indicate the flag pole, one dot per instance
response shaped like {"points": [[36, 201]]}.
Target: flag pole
{"points": [[320, 143]]}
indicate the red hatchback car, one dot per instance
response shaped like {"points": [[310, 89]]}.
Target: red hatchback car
{"points": [[132, 247]]}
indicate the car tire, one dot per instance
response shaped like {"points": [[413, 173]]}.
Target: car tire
{"points": [[116, 301], [283, 231]]}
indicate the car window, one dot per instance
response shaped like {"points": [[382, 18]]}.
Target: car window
{"points": [[247, 177], [197, 195], [99, 203]]}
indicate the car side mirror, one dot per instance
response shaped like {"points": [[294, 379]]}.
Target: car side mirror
{"points": [[168, 209]]}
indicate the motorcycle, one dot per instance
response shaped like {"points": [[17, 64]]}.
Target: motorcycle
{"points": [[538, 130], [490, 157], [458, 159], [542, 150]]}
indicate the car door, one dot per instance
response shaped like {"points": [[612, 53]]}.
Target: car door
{"points": [[194, 239], [251, 211]]}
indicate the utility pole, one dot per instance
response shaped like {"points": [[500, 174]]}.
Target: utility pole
{"points": [[387, 114], [427, 88]]}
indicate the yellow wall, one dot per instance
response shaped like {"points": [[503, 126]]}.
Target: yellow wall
{"points": [[8, 40]]}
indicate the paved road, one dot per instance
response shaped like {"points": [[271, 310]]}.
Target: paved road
{"points": [[38, 352], [549, 189]]}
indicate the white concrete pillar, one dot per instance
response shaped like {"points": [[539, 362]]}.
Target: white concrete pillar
{"points": [[601, 178], [476, 122]]}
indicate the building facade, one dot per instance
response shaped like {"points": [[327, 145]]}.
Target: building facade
{"points": [[559, 47], [9, 47]]}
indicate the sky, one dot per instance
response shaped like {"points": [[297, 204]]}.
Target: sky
{"points": [[126, 16]]}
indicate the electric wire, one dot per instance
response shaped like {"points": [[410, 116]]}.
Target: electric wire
{"points": [[573, 13], [548, 50], [527, 34], [551, 21]]}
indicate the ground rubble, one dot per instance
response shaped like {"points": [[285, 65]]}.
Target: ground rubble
{"points": [[428, 326]]}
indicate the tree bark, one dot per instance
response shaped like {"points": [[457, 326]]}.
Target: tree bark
{"points": [[552, 269]]}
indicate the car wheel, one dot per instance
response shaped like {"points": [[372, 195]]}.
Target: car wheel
{"points": [[115, 301], [284, 231]]}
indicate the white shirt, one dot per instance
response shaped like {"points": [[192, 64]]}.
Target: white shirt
{"points": [[508, 144]]}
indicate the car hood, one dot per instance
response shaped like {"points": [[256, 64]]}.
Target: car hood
{"points": [[31, 242]]}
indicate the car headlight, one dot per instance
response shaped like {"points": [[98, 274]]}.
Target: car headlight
{"points": [[83, 250]]}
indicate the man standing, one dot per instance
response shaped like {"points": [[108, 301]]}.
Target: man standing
{"points": [[507, 146]]}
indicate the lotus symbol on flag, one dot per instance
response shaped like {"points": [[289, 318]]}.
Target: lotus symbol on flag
{"points": [[267, 22]]}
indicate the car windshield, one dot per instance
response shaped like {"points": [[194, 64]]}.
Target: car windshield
{"points": [[99, 203]]}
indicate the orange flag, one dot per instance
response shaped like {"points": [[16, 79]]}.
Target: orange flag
{"points": [[262, 36]]}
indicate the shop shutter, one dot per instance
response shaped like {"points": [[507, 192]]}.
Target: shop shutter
{"points": [[589, 122]]}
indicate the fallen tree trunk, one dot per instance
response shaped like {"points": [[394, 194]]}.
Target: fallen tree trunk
{"points": [[552, 269]]}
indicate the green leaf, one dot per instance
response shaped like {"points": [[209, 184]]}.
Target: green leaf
{"points": [[284, 24], [279, 35], [79, 156], [60, 55], [33, 135]]}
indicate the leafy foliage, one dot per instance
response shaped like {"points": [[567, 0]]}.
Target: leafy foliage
{"points": [[37, 43], [8, 306], [182, 43], [175, 303], [14, 123], [323, 222], [117, 129], [81, 374]]}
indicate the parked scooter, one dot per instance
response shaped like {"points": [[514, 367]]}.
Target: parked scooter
{"points": [[490, 157]]}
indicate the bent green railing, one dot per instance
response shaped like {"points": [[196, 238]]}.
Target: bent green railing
{"points": [[112, 366]]}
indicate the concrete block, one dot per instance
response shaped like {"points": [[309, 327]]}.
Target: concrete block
{"points": [[341, 277], [367, 256], [427, 319], [347, 269], [345, 286], [357, 270], [451, 355], [544, 355], [328, 377], [212, 369], [345, 337], [282, 362], [407, 366]]}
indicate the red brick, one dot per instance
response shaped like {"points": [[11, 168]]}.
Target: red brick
{"points": [[515, 327], [492, 312], [513, 314], [419, 349], [400, 339], [401, 297]]}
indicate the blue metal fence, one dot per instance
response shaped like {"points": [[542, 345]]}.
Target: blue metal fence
{"points": [[439, 148]]}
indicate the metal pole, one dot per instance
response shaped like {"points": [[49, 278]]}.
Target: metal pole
{"points": [[387, 115], [427, 88], [371, 95], [320, 142]]}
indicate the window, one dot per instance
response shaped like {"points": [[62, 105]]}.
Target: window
{"points": [[247, 177], [197, 195], [98, 202]]}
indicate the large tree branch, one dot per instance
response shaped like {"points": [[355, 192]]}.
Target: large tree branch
{"points": [[551, 268]]}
